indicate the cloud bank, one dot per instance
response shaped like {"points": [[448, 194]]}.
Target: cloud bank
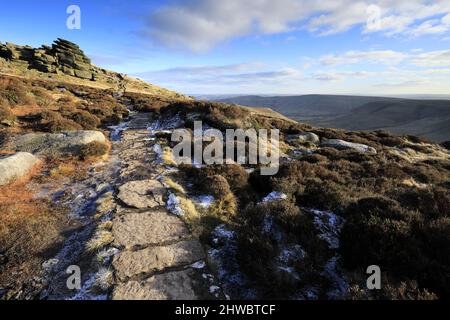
{"points": [[200, 25]]}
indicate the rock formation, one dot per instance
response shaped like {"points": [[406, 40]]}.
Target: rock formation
{"points": [[62, 57]]}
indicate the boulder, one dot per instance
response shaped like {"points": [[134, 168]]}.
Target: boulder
{"points": [[342, 144], [304, 138], [16, 166], [83, 74], [59, 144]]}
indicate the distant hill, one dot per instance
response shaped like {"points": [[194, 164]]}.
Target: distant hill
{"points": [[427, 118]]}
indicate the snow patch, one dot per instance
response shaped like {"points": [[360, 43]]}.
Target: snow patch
{"points": [[174, 205], [273, 196], [85, 292], [204, 201], [329, 225], [339, 285], [223, 253], [116, 131], [199, 265]]}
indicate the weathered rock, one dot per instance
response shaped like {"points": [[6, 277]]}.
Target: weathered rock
{"points": [[16, 166], [130, 264], [150, 228], [54, 143], [142, 194], [83, 74], [177, 285], [304, 138], [63, 56], [342, 144]]}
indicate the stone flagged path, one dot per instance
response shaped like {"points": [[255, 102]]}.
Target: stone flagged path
{"points": [[158, 257]]}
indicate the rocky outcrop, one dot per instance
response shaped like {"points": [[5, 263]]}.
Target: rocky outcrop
{"points": [[46, 144], [62, 57], [16, 166], [342, 144]]}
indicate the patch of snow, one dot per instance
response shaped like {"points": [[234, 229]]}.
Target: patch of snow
{"points": [[269, 227], [50, 265], [292, 254], [273, 196], [105, 255], [329, 225], [154, 127], [116, 131], [204, 201], [157, 149], [198, 265], [165, 126], [173, 205], [288, 257], [339, 285], [214, 289], [312, 294], [233, 282], [221, 234], [85, 292], [267, 224]]}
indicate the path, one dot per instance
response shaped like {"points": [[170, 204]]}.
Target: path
{"points": [[158, 257]]}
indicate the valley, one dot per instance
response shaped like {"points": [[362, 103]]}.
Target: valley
{"points": [[425, 118]]}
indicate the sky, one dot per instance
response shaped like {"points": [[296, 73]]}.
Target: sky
{"points": [[377, 47]]}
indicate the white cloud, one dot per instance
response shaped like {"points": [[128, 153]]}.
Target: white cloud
{"points": [[339, 76], [191, 79], [354, 57], [432, 59], [434, 26], [199, 25], [428, 70]]}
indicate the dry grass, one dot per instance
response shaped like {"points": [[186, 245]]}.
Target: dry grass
{"points": [[63, 170], [105, 225], [101, 239], [167, 157], [190, 212], [176, 187], [30, 233], [104, 279]]}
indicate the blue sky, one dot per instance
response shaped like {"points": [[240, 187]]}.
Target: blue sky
{"points": [[254, 46]]}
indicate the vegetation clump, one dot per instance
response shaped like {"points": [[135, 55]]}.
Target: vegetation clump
{"points": [[93, 150]]}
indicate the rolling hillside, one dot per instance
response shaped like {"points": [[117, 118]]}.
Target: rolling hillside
{"points": [[427, 118]]}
